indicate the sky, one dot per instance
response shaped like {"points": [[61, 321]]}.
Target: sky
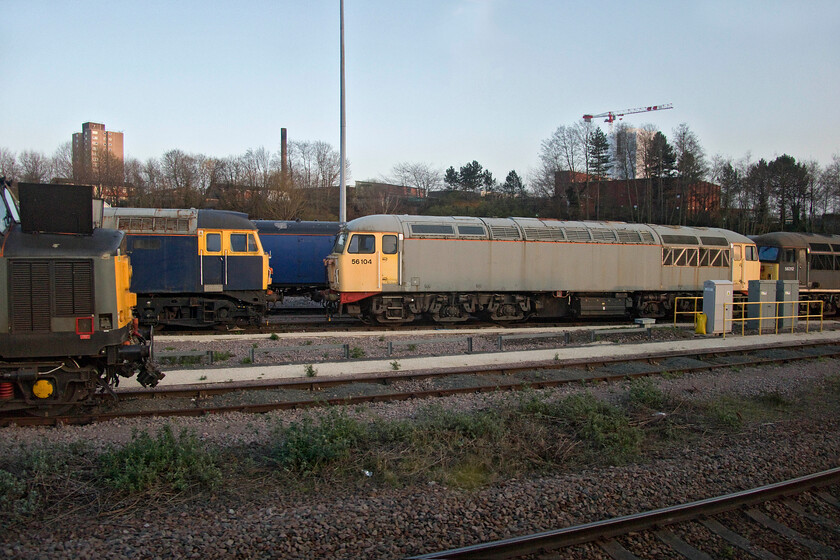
{"points": [[441, 82]]}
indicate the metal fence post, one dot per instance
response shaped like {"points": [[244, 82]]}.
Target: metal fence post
{"points": [[501, 337], [390, 348], [209, 356], [346, 351], [252, 355], [469, 345]]}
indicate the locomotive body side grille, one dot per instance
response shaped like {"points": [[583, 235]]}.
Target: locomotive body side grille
{"points": [[73, 289], [30, 292], [42, 289]]}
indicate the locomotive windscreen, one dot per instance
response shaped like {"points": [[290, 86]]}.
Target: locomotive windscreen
{"points": [[48, 208]]}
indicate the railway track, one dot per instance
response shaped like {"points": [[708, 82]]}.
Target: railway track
{"points": [[284, 394], [664, 524]]}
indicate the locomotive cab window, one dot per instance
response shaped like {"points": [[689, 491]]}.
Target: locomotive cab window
{"points": [[789, 255], [214, 242], [243, 243], [362, 244], [751, 253], [340, 242], [768, 254], [389, 244], [252, 243]]}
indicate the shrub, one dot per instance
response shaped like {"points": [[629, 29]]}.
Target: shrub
{"points": [[357, 353], [274, 336], [644, 393], [166, 461], [308, 446]]}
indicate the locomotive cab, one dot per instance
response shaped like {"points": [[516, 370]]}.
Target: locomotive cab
{"points": [[745, 265], [67, 331], [364, 263]]}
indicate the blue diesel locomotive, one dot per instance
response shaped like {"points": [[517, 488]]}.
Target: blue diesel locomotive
{"points": [[297, 250], [194, 268]]}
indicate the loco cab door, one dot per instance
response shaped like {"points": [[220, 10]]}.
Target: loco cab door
{"points": [[212, 269], [389, 269], [802, 267]]}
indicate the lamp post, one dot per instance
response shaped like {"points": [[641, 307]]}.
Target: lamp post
{"points": [[342, 187]]}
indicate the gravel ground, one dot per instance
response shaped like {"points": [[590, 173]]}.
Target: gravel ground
{"points": [[370, 520]]}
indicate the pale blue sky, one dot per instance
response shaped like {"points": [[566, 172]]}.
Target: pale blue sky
{"points": [[435, 81]]}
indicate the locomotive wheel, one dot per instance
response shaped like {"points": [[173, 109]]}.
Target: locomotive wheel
{"points": [[450, 314], [53, 410]]}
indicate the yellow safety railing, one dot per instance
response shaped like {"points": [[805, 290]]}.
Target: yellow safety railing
{"points": [[743, 319], [695, 313]]}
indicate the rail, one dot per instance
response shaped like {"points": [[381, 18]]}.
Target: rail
{"points": [[610, 528]]}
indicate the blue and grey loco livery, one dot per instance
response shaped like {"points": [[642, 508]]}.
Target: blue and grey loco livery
{"points": [[297, 250], [194, 268]]}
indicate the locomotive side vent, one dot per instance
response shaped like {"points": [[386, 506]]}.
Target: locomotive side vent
{"points": [[629, 236], [73, 289], [504, 232], [43, 289], [602, 234], [30, 296]]}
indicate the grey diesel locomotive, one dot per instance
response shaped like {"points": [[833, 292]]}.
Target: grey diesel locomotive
{"points": [[392, 269]]}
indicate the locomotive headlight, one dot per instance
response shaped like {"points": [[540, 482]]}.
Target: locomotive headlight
{"points": [[43, 389]]}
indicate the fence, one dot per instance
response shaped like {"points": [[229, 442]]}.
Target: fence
{"points": [[777, 318]]}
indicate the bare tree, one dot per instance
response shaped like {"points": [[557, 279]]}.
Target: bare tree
{"points": [[61, 163], [418, 175], [9, 167], [35, 167]]}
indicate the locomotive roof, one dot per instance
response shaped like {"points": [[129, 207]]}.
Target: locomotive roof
{"points": [[297, 227], [100, 242], [554, 230], [793, 239], [170, 220]]}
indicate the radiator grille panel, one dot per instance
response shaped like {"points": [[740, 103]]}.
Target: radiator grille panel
{"points": [[30, 293], [73, 289], [40, 290]]}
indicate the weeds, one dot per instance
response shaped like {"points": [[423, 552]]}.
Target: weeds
{"points": [[166, 461], [222, 356], [644, 393], [310, 370], [357, 353], [395, 365], [274, 336]]}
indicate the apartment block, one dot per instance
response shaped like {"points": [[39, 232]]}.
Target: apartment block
{"points": [[98, 155]]}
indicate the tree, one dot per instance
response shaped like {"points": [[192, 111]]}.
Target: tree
{"points": [[34, 167], [418, 175], [789, 182], [471, 178], [9, 167], [61, 164], [452, 179], [691, 165], [513, 185], [659, 163], [599, 154]]}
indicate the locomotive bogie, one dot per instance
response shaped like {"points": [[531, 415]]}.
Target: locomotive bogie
{"points": [[514, 269]]}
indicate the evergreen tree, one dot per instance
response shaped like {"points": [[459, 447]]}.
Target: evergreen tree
{"points": [[600, 161], [452, 179], [513, 185]]}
